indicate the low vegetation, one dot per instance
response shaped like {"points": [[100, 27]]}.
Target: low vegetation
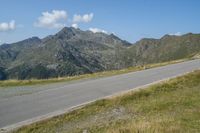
{"points": [[170, 106], [7, 83]]}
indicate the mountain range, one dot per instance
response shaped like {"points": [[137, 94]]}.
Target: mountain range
{"points": [[73, 51]]}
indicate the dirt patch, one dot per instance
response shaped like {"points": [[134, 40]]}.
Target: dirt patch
{"points": [[98, 119]]}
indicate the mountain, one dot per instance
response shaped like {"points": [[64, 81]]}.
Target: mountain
{"points": [[73, 51], [69, 52], [169, 47]]}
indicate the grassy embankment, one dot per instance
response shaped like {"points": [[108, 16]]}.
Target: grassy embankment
{"points": [[8, 83], [169, 106]]}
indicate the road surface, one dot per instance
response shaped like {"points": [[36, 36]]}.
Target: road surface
{"points": [[57, 98]]}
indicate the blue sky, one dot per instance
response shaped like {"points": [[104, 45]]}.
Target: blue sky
{"points": [[129, 19]]}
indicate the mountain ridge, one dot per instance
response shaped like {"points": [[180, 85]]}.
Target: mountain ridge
{"points": [[73, 51]]}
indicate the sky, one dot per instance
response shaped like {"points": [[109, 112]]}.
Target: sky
{"points": [[131, 20]]}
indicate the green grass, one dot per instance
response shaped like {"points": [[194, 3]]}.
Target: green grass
{"points": [[171, 107], [8, 83]]}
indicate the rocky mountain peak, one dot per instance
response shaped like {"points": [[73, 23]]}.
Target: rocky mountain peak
{"points": [[66, 33]]}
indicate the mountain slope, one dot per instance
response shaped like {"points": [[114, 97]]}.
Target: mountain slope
{"points": [[167, 48], [73, 51], [69, 52]]}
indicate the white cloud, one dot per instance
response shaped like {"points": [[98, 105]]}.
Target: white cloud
{"points": [[176, 34], [84, 18], [96, 30], [52, 19], [7, 26], [75, 26]]}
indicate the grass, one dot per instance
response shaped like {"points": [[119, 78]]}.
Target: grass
{"points": [[171, 107], [8, 83]]}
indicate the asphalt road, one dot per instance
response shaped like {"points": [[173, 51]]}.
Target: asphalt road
{"points": [[60, 97]]}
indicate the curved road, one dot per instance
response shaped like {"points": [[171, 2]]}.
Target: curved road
{"points": [[58, 98]]}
